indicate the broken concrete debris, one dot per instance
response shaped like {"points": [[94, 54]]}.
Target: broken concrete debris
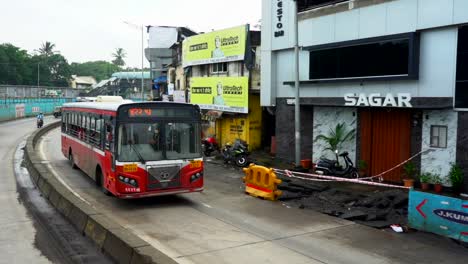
{"points": [[376, 208]]}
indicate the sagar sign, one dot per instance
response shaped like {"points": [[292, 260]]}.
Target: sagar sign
{"points": [[378, 100]]}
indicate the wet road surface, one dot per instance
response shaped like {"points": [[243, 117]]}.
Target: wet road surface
{"points": [[31, 231], [223, 225]]}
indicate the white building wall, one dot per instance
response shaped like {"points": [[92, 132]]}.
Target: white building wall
{"points": [[438, 52], [326, 118], [438, 160], [438, 46]]}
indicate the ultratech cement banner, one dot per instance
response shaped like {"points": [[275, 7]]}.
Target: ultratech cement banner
{"points": [[217, 46], [227, 94]]}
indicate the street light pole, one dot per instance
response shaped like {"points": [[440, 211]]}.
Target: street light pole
{"points": [[38, 77], [142, 55], [142, 64], [297, 105]]}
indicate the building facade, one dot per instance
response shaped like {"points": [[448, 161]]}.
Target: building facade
{"points": [[222, 75], [395, 71]]}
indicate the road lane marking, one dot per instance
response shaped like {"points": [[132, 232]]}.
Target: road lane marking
{"points": [[43, 156], [207, 205]]}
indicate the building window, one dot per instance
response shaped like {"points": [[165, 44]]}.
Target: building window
{"points": [[395, 57], [219, 67], [304, 5], [461, 85], [439, 136]]}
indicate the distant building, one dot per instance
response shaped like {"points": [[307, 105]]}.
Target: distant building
{"points": [[125, 84], [82, 82], [221, 73], [160, 54]]}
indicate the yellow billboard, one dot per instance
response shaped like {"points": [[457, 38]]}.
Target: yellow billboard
{"points": [[217, 46], [227, 94]]}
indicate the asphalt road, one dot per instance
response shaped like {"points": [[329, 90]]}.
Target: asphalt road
{"points": [[223, 225], [31, 231]]}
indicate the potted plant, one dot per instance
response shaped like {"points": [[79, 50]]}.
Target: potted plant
{"points": [[362, 166], [437, 181], [336, 137], [409, 170], [425, 178], [456, 178]]}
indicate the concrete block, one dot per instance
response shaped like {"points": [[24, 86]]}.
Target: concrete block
{"points": [[64, 206], [117, 248], [97, 228], [78, 218], [54, 198], [148, 254], [45, 189]]}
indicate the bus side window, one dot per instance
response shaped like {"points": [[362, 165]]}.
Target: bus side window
{"points": [[109, 137]]}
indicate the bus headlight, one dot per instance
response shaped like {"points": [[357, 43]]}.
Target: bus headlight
{"points": [[196, 176], [128, 181]]}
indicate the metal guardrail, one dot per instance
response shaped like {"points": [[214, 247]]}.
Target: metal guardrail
{"points": [[23, 91]]}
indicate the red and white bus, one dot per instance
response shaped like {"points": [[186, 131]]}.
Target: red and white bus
{"points": [[135, 150]]}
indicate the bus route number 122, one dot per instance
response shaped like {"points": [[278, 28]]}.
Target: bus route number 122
{"points": [[140, 112]]}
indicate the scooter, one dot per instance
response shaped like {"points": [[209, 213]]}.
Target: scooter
{"points": [[237, 153], [40, 122], [333, 168], [209, 145]]}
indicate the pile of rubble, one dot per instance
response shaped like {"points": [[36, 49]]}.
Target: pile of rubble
{"points": [[377, 208]]}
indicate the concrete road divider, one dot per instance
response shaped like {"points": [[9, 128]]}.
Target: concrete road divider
{"points": [[113, 239], [261, 182]]}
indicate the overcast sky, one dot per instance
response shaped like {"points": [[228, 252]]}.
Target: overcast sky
{"points": [[86, 30]]}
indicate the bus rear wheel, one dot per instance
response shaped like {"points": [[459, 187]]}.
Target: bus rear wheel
{"points": [[100, 182], [71, 160]]}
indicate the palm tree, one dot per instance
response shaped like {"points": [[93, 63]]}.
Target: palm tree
{"points": [[47, 49], [119, 56], [337, 137]]}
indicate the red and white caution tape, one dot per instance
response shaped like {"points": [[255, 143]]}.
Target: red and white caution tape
{"points": [[294, 174]]}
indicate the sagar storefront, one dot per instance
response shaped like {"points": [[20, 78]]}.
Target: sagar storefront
{"points": [[401, 85]]}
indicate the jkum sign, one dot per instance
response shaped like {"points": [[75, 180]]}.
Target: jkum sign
{"points": [[377, 100]]}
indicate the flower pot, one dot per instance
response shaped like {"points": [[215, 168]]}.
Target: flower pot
{"points": [[306, 163], [438, 188], [408, 182], [425, 186]]}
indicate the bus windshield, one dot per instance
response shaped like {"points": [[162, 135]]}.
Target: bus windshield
{"points": [[158, 141]]}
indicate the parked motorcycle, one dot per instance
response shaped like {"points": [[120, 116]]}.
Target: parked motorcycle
{"points": [[40, 122], [237, 153], [209, 145], [333, 168]]}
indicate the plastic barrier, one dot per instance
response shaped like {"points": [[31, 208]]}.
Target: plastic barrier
{"points": [[261, 182]]}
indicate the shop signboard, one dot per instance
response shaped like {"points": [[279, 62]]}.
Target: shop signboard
{"points": [[443, 215], [227, 94], [214, 47], [19, 110], [378, 100]]}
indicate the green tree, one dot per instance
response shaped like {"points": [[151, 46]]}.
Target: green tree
{"points": [[47, 49], [54, 70], [119, 56], [100, 70], [15, 66]]}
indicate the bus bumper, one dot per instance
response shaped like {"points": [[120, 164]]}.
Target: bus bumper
{"points": [[159, 193]]}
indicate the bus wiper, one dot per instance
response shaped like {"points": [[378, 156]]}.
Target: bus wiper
{"points": [[142, 160]]}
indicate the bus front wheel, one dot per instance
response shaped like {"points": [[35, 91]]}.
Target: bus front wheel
{"points": [[100, 182]]}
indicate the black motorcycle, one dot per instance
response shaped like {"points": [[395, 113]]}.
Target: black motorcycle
{"points": [[40, 122], [333, 168], [237, 153]]}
